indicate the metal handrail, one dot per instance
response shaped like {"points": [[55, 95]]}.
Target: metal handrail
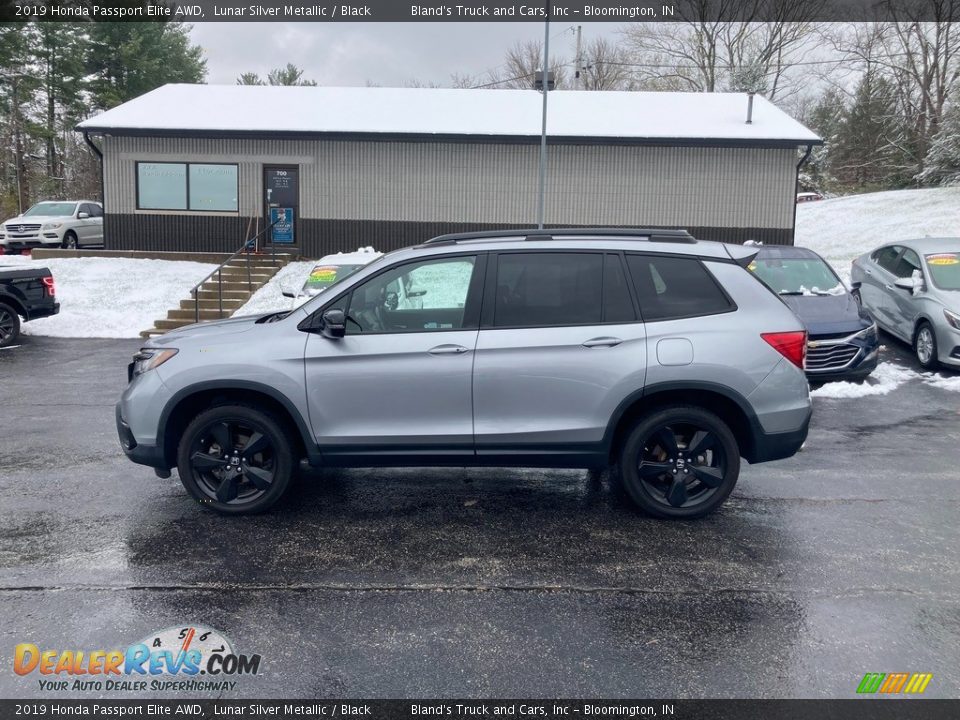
{"points": [[245, 248]]}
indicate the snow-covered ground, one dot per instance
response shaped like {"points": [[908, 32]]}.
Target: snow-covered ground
{"points": [[269, 297], [111, 297], [843, 228]]}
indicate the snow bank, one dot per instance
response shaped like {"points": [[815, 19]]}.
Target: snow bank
{"points": [[842, 228], [269, 298], [885, 379], [111, 297]]}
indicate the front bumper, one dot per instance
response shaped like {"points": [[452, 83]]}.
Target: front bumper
{"points": [[149, 455]]}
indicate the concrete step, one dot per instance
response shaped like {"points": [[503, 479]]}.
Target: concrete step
{"points": [[239, 271], [168, 324], [213, 304], [190, 316], [243, 294], [233, 285]]}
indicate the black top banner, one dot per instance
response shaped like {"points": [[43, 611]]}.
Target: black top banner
{"points": [[472, 11], [429, 709]]}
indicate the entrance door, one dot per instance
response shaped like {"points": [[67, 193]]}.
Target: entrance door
{"points": [[281, 189]]}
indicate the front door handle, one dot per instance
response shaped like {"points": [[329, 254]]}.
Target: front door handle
{"points": [[602, 342], [889, 287], [868, 271], [448, 350]]}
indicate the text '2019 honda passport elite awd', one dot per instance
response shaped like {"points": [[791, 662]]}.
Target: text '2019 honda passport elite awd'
{"points": [[545, 348]]}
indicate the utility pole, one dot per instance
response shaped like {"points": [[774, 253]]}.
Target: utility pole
{"points": [[578, 62], [541, 200]]}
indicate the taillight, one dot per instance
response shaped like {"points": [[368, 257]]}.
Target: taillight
{"points": [[51, 288], [792, 345]]}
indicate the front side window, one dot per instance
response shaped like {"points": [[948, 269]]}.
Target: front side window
{"points": [[908, 265], [418, 297], [204, 187], [887, 257], [548, 289], [675, 287]]}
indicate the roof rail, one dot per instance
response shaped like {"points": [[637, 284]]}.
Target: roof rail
{"points": [[648, 234]]}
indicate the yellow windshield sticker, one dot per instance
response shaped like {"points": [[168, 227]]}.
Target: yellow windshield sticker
{"points": [[943, 259]]}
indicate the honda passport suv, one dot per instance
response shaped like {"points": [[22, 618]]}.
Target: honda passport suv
{"points": [[645, 349]]}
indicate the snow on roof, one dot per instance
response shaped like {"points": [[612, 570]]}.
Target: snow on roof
{"points": [[434, 111]]}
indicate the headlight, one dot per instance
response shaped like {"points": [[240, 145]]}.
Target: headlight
{"points": [[868, 335], [953, 319], [51, 225], [150, 358]]}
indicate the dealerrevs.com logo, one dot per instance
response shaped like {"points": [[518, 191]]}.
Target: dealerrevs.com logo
{"points": [[191, 658]]}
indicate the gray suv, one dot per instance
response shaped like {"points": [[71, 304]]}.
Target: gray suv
{"points": [[645, 349]]}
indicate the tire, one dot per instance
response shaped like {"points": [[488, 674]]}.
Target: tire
{"points": [[219, 471], [925, 346], [856, 297], [660, 442], [9, 325], [70, 241]]}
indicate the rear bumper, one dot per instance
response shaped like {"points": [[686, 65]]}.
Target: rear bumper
{"points": [[777, 446], [149, 455], [43, 312]]}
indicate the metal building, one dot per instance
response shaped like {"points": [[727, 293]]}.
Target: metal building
{"points": [[197, 167]]}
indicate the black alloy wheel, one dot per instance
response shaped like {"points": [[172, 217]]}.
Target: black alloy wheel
{"points": [[235, 459], [680, 462], [9, 325]]}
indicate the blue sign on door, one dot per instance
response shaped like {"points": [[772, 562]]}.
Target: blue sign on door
{"points": [[282, 219]]}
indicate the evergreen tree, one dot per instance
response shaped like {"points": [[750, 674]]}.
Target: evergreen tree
{"points": [[867, 153], [825, 119], [942, 164], [128, 59]]}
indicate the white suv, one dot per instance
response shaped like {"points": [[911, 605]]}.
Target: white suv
{"points": [[54, 223]]}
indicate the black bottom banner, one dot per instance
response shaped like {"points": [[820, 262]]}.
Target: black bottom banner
{"points": [[868, 709]]}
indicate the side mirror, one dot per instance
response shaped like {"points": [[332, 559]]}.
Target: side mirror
{"points": [[82, 215], [334, 324], [911, 284]]}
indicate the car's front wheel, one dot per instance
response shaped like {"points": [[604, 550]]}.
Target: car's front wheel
{"points": [[70, 241], [925, 346], [680, 462], [9, 325], [236, 459]]}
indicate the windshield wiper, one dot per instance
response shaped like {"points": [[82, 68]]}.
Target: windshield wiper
{"points": [[790, 292]]}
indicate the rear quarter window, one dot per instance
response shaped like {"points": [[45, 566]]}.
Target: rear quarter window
{"points": [[671, 288]]}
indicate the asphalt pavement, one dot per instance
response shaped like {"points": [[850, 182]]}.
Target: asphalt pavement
{"points": [[488, 583]]}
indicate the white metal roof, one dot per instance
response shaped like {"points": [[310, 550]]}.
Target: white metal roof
{"points": [[434, 111]]}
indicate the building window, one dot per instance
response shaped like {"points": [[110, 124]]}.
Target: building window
{"points": [[210, 187]]}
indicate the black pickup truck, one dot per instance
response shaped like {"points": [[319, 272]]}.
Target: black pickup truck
{"points": [[27, 293]]}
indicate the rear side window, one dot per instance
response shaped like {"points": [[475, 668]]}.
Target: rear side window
{"points": [[675, 287], [544, 289]]}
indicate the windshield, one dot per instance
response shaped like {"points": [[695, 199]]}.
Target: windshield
{"points": [[51, 209], [323, 276], [797, 276], [945, 270]]}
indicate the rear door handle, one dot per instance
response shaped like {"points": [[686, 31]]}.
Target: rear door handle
{"points": [[868, 271], [448, 350], [889, 287], [601, 342]]}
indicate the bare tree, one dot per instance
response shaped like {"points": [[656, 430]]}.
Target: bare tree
{"points": [[606, 66], [713, 44]]}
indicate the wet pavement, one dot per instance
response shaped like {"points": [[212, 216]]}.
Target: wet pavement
{"points": [[500, 583]]}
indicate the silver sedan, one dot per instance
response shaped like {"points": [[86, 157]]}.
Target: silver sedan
{"points": [[912, 289]]}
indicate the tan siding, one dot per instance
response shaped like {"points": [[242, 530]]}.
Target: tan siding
{"points": [[490, 183]]}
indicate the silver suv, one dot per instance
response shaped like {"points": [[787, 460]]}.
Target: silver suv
{"points": [[645, 349]]}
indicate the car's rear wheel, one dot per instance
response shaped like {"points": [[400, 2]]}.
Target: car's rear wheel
{"points": [[925, 346], [236, 459], [70, 241], [9, 325], [680, 462], [856, 296]]}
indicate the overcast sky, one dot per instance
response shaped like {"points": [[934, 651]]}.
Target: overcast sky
{"points": [[388, 54]]}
